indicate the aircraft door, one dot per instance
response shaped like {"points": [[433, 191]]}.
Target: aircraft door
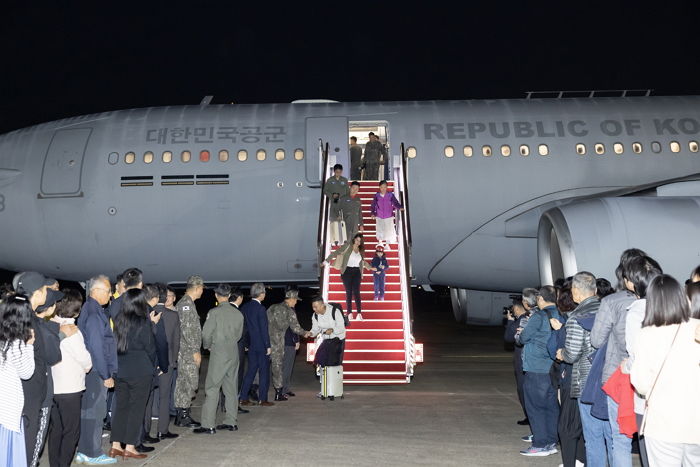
{"points": [[63, 164], [334, 132]]}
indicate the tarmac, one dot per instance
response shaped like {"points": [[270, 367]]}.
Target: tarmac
{"points": [[460, 409]]}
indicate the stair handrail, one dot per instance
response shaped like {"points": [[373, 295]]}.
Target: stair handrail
{"points": [[404, 231], [322, 236]]}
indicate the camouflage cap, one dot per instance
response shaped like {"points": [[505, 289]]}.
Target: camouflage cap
{"points": [[194, 281]]}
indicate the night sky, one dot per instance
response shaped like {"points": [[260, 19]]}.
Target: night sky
{"points": [[60, 61]]}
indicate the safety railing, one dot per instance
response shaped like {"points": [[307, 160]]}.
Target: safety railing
{"points": [[404, 232], [321, 240]]}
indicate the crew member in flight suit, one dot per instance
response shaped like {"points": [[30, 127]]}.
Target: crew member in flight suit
{"points": [[189, 358], [220, 334], [335, 188], [355, 159], [374, 150], [351, 207], [281, 317]]}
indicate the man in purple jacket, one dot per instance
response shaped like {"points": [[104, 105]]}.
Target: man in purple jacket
{"points": [[383, 206]]}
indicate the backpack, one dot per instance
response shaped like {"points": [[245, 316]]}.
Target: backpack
{"points": [[337, 306]]}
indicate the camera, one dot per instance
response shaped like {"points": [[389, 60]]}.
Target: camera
{"points": [[507, 310]]}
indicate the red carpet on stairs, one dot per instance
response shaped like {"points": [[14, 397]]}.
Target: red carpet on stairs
{"points": [[375, 350]]}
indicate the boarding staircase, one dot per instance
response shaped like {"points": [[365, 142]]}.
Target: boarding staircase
{"points": [[380, 349]]}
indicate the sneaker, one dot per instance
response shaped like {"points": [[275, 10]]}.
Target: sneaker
{"points": [[537, 452], [349, 316], [527, 439], [359, 316], [101, 460], [79, 458], [552, 448]]}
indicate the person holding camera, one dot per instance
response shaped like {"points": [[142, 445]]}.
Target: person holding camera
{"points": [[517, 318]]}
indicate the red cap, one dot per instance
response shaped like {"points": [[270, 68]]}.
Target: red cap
{"points": [[380, 248]]}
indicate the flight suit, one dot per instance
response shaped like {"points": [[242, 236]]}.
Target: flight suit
{"points": [[341, 188], [355, 162], [190, 343], [352, 214], [280, 317], [336, 185], [220, 334], [373, 151]]}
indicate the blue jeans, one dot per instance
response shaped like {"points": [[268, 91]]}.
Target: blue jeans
{"points": [[542, 408], [621, 444], [379, 280], [596, 433]]}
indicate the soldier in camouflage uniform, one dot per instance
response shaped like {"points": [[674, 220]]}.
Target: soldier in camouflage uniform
{"points": [[280, 318], [350, 206], [189, 358]]}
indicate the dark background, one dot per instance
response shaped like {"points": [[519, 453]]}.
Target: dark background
{"points": [[65, 60]]}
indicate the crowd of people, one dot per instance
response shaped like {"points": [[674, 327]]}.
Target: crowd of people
{"points": [[603, 373], [72, 368], [346, 226]]}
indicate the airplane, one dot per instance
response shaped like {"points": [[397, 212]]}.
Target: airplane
{"points": [[504, 194]]}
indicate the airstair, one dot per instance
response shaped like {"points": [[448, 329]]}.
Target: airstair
{"points": [[381, 348]]}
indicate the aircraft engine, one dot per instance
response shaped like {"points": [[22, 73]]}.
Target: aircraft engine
{"points": [[590, 235]]}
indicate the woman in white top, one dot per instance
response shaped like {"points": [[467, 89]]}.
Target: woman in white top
{"points": [[665, 371], [350, 260], [16, 364], [69, 383]]}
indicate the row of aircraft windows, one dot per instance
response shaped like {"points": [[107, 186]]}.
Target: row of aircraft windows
{"points": [[581, 149], [204, 156]]}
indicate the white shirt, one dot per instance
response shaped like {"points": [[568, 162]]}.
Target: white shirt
{"points": [[69, 373], [673, 414], [19, 365], [633, 324], [325, 321], [354, 260]]}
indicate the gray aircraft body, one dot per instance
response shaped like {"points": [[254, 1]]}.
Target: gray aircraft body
{"points": [[503, 193]]}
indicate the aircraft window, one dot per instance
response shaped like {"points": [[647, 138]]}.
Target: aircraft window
{"points": [[129, 157], [693, 146], [505, 150], [186, 156], [581, 149], [167, 157], [223, 155], [675, 146], [204, 156], [113, 158], [618, 148], [148, 157], [656, 147], [637, 148], [468, 151], [279, 154], [486, 151], [242, 155], [524, 150], [299, 154], [449, 151], [411, 152], [599, 148], [261, 154], [543, 149]]}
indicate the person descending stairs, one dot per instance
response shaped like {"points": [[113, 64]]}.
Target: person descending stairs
{"points": [[376, 347]]}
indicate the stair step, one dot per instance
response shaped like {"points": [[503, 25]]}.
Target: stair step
{"points": [[362, 333], [374, 355], [375, 382], [334, 296], [374, 344], [399, 366]]}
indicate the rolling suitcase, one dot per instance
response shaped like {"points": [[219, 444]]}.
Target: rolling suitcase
{"points": [[332, 382]]}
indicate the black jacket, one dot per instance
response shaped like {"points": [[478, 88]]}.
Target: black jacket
{"points": [[47, 352], [140, 358]]}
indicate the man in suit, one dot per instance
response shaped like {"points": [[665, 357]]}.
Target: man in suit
{"points": [[259, 351], [171, 322], [220, 335]]}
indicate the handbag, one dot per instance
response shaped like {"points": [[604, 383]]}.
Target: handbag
{"points": [[656, 380]]}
